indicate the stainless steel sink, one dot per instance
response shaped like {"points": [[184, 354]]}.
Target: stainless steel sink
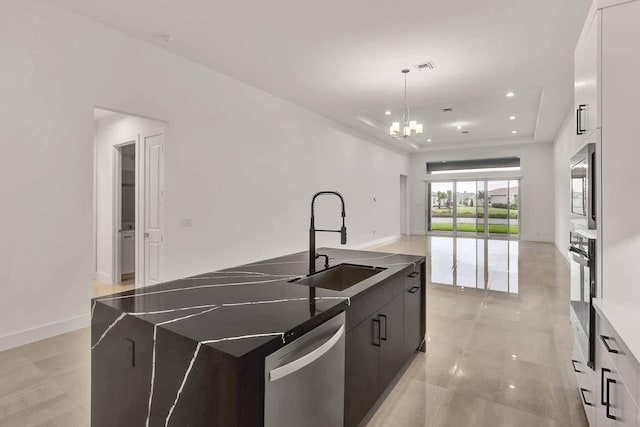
{"points": [[339, 277]]}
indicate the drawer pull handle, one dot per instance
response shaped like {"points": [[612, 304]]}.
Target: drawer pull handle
{"points": [[609, 382], [573, 362], [375, 330], [584, 399], [606, 344], [414, 274], [414, 289], [383, 327], [602, 382]]}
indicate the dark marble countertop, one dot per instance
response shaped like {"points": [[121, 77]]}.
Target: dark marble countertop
{"points": [[251, 308]]}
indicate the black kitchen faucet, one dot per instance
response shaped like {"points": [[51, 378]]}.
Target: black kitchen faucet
{"points": [[312, 232]]}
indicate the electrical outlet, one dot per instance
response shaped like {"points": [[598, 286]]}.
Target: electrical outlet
{"points": [[131, 348], [186, 222]]}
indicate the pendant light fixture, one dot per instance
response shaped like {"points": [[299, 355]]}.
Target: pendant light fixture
{"points": [[407, 127]]}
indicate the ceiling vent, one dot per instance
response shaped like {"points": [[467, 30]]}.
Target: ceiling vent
{"points": [[426, 66], [447, 110], [465, 132]]}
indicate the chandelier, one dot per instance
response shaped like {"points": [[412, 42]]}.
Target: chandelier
{"points": [[409, 127]]}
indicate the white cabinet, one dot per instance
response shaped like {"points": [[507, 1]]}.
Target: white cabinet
{"points": [[620, 109], [587, 79], [617, 374]]}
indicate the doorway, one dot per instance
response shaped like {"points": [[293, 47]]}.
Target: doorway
{"points": [[128, 200], [404, 223], [126, 220]]}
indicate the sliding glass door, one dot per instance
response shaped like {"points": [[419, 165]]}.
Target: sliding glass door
{"points": [[441, 208], [469, 214], [478, 207]]}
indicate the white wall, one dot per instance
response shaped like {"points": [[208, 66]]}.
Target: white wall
{"points": [[563, 150], [109, 131], [536, 185], [241, 163]]}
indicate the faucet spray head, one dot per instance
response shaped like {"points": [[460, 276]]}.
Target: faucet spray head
{"points": [[343, 235]]}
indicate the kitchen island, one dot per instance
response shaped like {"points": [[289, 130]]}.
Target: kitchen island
{"points": [[192, 351]]}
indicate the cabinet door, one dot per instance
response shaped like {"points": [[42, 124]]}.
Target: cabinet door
{"points": [[362, 378], [392, 340], [620, 151], [412, 322], [587, 74]]}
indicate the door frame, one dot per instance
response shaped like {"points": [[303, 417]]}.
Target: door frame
{"points": [[141, 255], [116, 274]]}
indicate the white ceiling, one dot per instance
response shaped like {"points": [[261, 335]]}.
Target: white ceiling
{"points": [[342, 59]]}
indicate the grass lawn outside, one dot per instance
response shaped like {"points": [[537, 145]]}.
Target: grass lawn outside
{"points": [[476, 228], [473, 212]]}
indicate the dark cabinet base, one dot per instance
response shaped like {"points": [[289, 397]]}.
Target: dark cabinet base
{"points": [[377, 348]]}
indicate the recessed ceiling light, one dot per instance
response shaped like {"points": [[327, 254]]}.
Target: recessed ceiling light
{"points": [[512, 117], [510, 94], [511, 386], [387, 113], [514, 131], [459, 127], [428, 140]]}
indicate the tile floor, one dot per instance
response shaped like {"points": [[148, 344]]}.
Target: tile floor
{"points": [[499, 345], [499, 339]]}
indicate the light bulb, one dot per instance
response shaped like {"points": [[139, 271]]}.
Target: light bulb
{"points": [[413, 125], [419, 129]]}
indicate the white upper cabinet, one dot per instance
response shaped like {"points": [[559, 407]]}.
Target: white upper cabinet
{"points": [[620, 106], [587, 79]]}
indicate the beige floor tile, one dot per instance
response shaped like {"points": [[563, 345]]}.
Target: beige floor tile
{"points": [[410, 404], [437, 366], [461, 410], [20, 377], [65, 362], [77, 340], [59, 411], [27, 397]]}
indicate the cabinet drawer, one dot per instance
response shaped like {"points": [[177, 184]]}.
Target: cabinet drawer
{"points": [[585, 380], [412, 273], [365, 304]]}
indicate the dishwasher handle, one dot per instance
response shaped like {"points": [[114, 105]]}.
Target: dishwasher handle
{"points": [[296, 365]]}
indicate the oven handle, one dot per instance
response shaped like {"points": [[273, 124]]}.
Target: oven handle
{"points": [[579, 259], [580, 252]]}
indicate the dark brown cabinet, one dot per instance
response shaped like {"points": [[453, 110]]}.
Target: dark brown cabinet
{"points": [[392, 355], [378, 346], [413, 334], [362, 377]]}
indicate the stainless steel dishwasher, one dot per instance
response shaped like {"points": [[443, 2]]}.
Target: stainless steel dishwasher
{"points": [[304, 380]]}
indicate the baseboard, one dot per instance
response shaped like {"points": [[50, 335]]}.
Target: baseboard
{"points": [[28, 336], [372, 244], [103, 277], [542, 239]]}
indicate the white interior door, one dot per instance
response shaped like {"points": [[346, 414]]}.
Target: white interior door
{"points": [[152, 238]]}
